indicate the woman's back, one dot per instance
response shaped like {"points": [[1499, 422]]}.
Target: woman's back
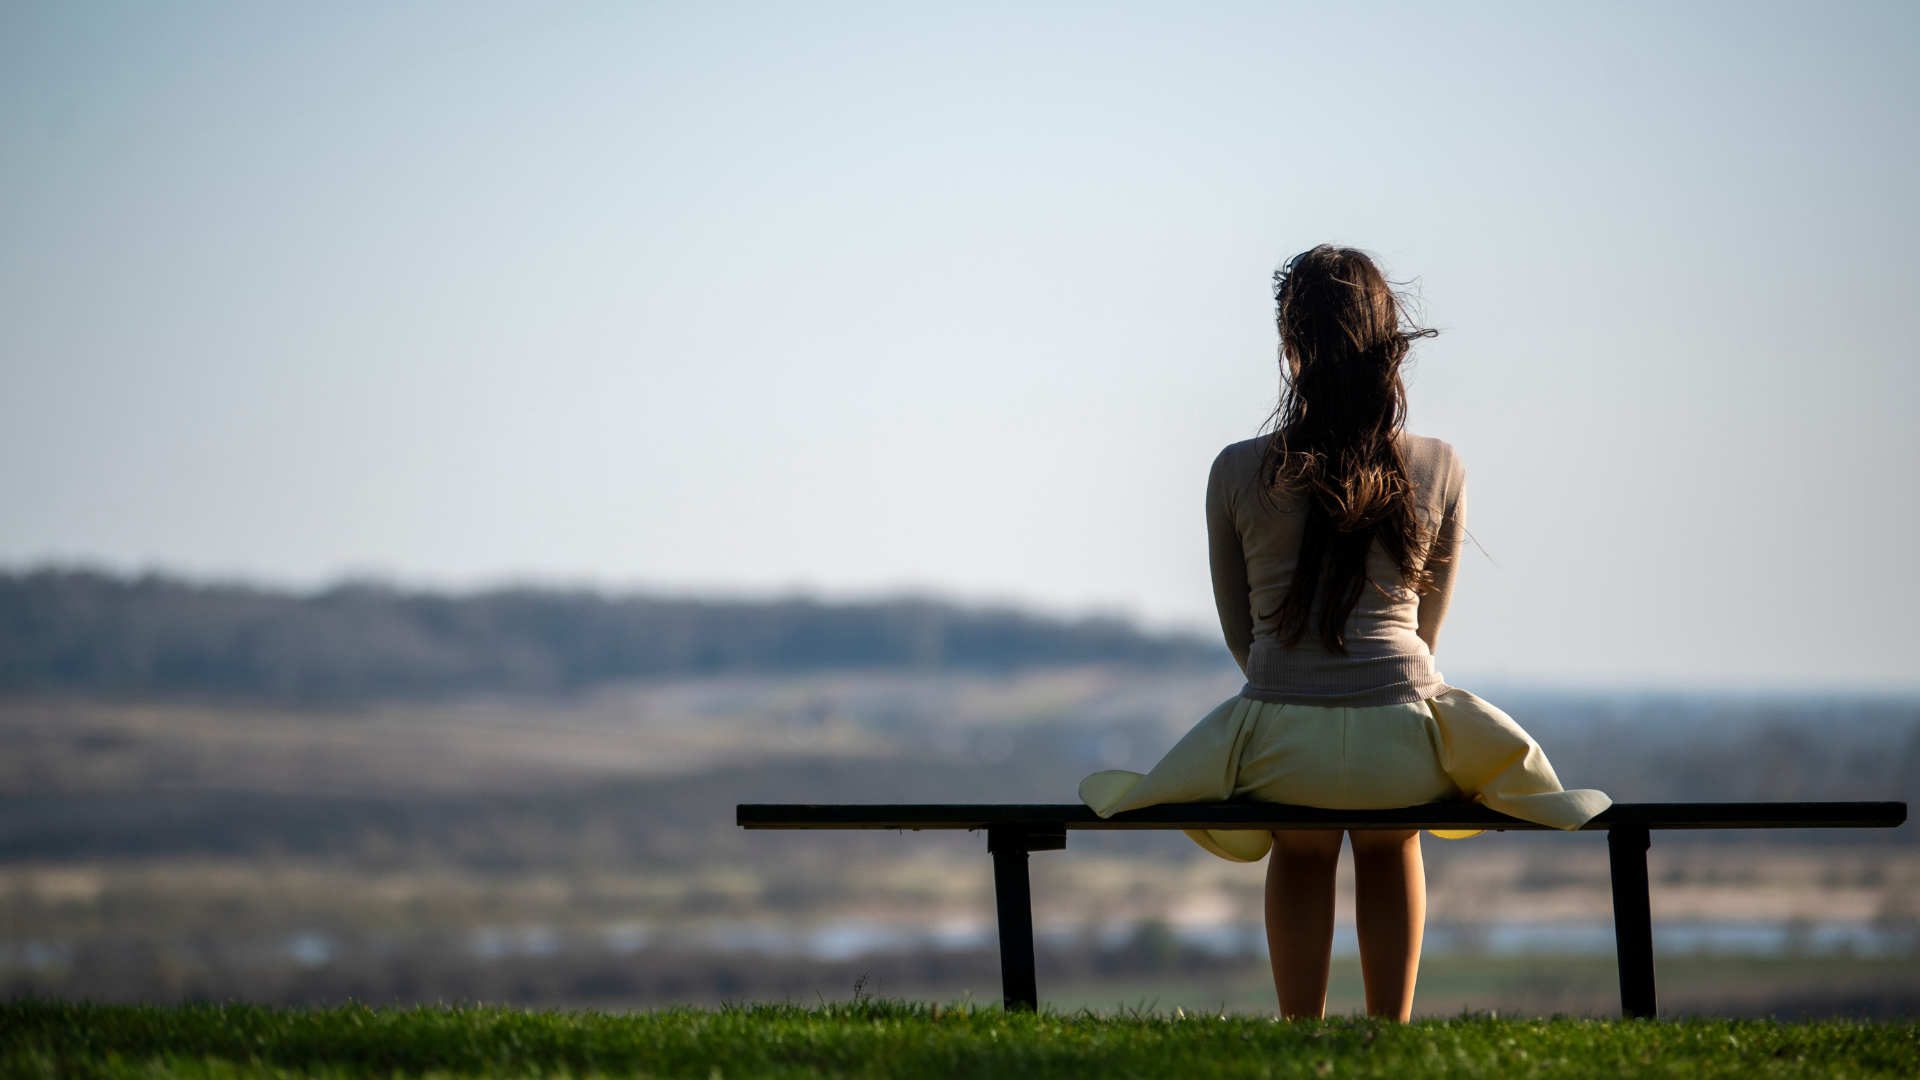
{"points": [[1254, 541]]}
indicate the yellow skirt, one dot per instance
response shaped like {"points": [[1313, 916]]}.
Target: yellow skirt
{"points": [[1451, 747]]}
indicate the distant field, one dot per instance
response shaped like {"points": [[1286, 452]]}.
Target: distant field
{"points": [[896, 1039], [580, 851]]}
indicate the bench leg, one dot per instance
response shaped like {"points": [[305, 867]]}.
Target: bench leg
{"points": [[1013, 897], [1633, 920]]}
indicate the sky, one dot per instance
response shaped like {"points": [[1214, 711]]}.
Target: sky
{"points": [[853, 300]]}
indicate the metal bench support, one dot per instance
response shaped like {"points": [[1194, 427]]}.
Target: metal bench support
{"points": [[1633, 920], [1013, 902]]}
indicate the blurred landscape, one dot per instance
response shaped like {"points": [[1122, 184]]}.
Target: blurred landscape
{"points": [[214, 792]]}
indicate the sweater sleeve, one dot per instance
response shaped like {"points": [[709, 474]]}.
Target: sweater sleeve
{"points": [[1231, 593], [1444, 557]]}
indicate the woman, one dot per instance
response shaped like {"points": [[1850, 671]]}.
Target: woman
{"points": [[1334, 543]]}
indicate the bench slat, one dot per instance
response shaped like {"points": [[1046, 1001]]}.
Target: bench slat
{"points": [[1780, 815]]}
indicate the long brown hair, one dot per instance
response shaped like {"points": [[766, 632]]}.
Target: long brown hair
{"points": [[1343, 335]]}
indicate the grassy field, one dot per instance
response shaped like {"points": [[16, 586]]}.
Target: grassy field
{"points": [[896, 1039], [1534, 986]]}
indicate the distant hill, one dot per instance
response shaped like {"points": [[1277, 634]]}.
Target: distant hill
{"points": [[92, 631]]}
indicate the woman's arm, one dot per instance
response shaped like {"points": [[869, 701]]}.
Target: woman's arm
{"points": [[1444, 560], [1229, 563]]}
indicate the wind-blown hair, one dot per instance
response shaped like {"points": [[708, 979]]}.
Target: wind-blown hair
{"points": [[1343, 335]]}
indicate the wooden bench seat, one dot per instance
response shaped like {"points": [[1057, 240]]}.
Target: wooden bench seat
{"points": [[1015, 830]]}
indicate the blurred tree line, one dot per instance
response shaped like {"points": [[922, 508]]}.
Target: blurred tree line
{"points": [[93, 631]]}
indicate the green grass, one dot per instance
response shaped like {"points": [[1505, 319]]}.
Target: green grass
{"points": [[1516, 986], [898, 1039]]}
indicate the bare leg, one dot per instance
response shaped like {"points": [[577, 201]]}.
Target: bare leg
{"points": [[1300, 917], [1390, 905]]}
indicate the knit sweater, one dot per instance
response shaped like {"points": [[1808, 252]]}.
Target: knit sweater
{"points": [[1254, 545]]}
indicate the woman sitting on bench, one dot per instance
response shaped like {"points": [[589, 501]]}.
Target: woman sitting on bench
{"points": [[1334, 543]]}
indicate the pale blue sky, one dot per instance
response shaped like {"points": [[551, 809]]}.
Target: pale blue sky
{"points": [[861, 298]]}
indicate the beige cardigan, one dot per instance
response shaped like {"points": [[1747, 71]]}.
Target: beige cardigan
{"points": [[1254, 544]]}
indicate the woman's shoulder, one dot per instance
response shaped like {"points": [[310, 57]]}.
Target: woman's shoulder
{"points": [[1235, 471], [1239, 463], [1428, 451], [1431, 461], [1244, 454]]}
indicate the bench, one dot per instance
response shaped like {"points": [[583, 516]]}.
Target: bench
{"points": [[1014, 830]]}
